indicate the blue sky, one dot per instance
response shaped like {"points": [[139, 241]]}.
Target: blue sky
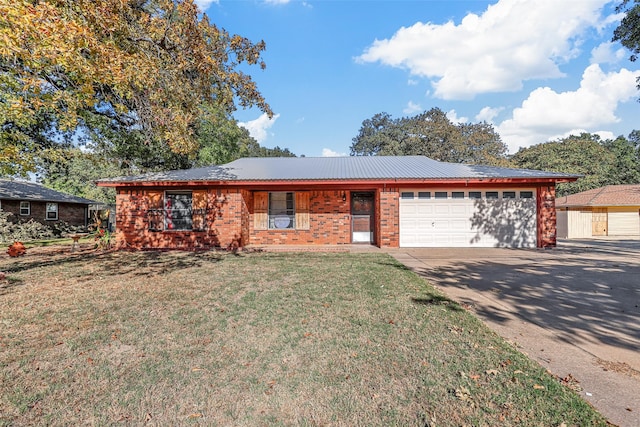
{"points": [[537, 70]]}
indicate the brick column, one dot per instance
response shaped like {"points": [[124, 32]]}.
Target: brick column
{"points": [[546, 210]]}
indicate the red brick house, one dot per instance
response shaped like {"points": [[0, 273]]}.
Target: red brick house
{"points": [[28, 200], [409, 201]]}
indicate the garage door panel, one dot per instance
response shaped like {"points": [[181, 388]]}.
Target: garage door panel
{"points": [[468, 222]]}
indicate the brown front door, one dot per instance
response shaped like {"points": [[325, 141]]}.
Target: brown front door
{"points": [[362, 217], [599, 222]]}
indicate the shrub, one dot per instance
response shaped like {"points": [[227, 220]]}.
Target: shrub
{"points": [[30, 230]]}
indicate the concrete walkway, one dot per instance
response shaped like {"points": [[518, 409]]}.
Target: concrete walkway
{"points": [[575, 309]]}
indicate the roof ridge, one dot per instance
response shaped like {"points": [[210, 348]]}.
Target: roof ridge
{"points": [[602, 191]]}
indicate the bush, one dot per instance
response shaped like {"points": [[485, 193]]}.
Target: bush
{"points": [[30, 230]]}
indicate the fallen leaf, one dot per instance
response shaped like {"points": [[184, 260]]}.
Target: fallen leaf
{"points": [[538, 387], [474, 377], [195, 415], [491, 372]]}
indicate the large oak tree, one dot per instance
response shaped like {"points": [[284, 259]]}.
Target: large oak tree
{"points": [[430, 134], [149, 70]]}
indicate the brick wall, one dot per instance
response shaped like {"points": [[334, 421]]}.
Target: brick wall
{"points": [[223, 222], [388, 233], [329, 223], [546, 208], [70, 213]]}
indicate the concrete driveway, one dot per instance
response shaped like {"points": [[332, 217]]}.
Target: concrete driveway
{"points": [[575, 309]]}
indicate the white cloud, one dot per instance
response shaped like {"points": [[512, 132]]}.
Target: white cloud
{"points": [[258, 128], [412, 108], [605, 53], [204, 4], [453, 116], [546, 113], [327, 152], [511, 42], [277, 1], [487, 114]]}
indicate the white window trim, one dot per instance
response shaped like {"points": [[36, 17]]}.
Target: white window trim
{"points": [[46, 211], [28, 208]]}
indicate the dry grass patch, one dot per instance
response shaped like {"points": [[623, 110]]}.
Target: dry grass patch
{"points": [[255, 339]]}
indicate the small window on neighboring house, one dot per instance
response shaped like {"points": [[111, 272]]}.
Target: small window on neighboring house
{"points": [[282, 213], [441, 194], [52, 211], [457, 195], [25, 208], [475, 194], [178, 210], [424, 195], [526, 194], [508, 194], [407, 195], [491, 194]]}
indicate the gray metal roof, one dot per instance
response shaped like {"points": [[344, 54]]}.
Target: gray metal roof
{"points": [[338, 168], [30, 191]]}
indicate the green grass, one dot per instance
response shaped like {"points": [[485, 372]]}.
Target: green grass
{"points": [[255, 339]]}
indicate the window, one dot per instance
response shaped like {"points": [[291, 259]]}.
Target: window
{"points": [[25, 208], [441, 194], [282, 213], [178, 211], [407, 195], [424, 195], [457, 195], [491, 194], [475, 194], [508, 194], [52, 211], [526, 194]]}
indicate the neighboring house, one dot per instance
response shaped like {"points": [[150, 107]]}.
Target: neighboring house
{"points": [[28, 200], [613, 210], [408, 201]]}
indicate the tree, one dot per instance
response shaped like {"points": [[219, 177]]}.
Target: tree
{"points": [[150, 67], [628, 32], [602, 163], [430, 134], [73, 171]]}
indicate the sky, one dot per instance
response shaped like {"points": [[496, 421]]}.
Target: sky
{"points": [[537, 70]]}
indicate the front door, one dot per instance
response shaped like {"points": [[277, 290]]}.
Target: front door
{"points": [[362, 217]]}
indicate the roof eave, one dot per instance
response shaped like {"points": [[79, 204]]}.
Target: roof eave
{"points": [[341, 182]]}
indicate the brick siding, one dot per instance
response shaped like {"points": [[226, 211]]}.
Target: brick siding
{"points": [[329, 223], [388, 234], [71, 213], [231, 220], [546, 207]]}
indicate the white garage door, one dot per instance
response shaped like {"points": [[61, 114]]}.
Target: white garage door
{"points": [[624, 221], [483, 218]]}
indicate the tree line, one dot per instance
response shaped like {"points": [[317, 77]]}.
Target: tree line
{"points": [[92, 89], [432, 134]]}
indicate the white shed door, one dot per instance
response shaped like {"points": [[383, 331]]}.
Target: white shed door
{"points": [[472, 218], [624, 221]]}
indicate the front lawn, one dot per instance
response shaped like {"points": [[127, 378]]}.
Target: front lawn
{"points": [[254, 339]]}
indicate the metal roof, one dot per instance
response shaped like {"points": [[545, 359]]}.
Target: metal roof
{"points": [[610, 195], [30, 191], [338, 168]]}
